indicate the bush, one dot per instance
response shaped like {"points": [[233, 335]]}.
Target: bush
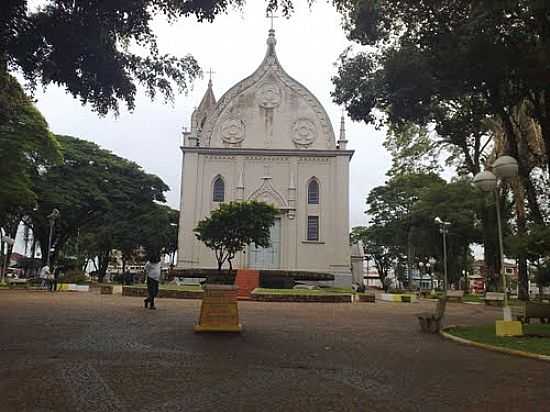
{"points": [[74, 276]]}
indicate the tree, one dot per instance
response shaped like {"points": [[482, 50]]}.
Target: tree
{"points": [[402, 223], [378, 246], [235, 225], [91, 188], [390, 208], [157, 228], [25, 145], [99, 50], [463, 68]]}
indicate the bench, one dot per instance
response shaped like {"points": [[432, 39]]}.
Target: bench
{"points": [[496, 298], [431, 321], [524, 311], [455, 295], [17, 283]]}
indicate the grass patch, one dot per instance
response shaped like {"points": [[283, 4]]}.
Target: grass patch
{"points": [[473, 298], [302, 292], [486, 334], [192, 288]]}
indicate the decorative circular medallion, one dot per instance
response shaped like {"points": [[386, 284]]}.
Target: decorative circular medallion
{"points": [[232, 131], [303, 132], [269, 96]]}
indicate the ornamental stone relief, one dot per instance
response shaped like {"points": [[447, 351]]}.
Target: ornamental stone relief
{"points": [[304, 132], [269, 96], [232, 131]]}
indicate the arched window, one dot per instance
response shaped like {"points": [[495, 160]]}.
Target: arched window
{"points": [[313, 192], [218, 191]]}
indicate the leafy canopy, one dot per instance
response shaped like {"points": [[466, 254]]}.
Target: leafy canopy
{"points": [[25, 144], [99, 50], [233, 226]]}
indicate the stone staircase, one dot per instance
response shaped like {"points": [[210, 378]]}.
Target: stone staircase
{"points": [[247, 281]]}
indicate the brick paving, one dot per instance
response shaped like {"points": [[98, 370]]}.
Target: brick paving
{"points": [[91, 352]]}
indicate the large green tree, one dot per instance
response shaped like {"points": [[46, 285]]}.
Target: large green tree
{"points": [[100, 50], [402, 223], [25, 145], [235, 225], [90, 188], [470, 70]]}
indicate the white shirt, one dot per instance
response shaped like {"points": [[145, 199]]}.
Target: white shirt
{"points": [[152, 270], [44, 272]]}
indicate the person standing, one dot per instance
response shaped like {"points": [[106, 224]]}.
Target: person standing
{"points": [[44, 275], [152, 274]]}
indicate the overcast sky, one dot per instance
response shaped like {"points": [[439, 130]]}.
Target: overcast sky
{"points": [[234, 45]]}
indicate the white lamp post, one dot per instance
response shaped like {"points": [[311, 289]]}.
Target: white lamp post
{"points": [[444, 229], [504, 167], [51, 217], [431, 262]]}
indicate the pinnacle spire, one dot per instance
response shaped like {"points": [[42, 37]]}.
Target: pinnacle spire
{"points": [[342, 140]]}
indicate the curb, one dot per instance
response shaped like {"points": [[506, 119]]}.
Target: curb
{"points": [[514, 352]]}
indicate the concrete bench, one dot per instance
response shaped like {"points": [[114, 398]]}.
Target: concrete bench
{"points": [[524, 311], [431, 321], [17, 283], [455, 295], [494, 298]]}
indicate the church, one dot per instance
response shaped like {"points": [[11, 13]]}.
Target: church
{"points": [[269, 139]]}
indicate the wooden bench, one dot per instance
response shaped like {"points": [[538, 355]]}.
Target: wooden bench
{"points": [[494, 298], [524, 311], [455, 295], [431, 321]]}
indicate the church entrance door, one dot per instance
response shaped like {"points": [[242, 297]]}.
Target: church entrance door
{"points": [[268, 257]]}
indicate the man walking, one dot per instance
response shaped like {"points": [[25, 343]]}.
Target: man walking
{"points": [[152, 273], [44, 275]]}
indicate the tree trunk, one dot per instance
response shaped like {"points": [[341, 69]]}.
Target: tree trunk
{"points": [[490, 248], [523, 276]]}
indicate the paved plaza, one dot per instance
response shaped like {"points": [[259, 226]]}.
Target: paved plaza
{"points": [[91, 352]]}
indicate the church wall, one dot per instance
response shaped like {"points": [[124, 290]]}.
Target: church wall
{"points": [[330, 253]]}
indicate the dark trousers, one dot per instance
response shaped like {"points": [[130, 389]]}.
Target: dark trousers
{"points": [[52, 285], [152, 290]]}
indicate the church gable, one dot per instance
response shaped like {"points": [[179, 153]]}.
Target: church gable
{"points": [[270, 110]]}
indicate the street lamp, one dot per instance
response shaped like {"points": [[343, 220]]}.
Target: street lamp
{"points": [[9, 242], [504, 167], [51, 218], [421, 274], [430, 265], [444, 230]]}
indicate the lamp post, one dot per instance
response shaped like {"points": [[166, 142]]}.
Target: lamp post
{"points": [[444, 230], [431, 262], [9, 242], [504, 167], [51, 218], [421, 274]]}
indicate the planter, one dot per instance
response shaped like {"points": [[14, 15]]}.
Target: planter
{"points": [[398, 297], [106, 289], [163, 293], [268, 297], [366, 297], [72, 287], [219, 310]]}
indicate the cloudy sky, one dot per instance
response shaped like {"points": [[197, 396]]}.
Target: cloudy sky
{"points": [[308, 46]]}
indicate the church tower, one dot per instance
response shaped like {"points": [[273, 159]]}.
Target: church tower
{"points": [[268, 138]]}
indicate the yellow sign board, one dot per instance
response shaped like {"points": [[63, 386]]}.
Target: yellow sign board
{"points": [[219, 310]]}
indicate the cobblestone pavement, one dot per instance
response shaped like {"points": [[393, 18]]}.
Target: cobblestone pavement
{"points": [[91, 352]]}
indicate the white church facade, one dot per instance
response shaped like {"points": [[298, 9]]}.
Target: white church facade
{"points": [[269, 139]]}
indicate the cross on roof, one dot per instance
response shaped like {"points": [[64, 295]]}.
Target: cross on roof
{"points": [[271, 16], [210, 73]]}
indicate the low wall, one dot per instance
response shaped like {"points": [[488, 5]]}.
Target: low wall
{"points": [[398, 297], [163, 293], [72, 287], [268, 297]]}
